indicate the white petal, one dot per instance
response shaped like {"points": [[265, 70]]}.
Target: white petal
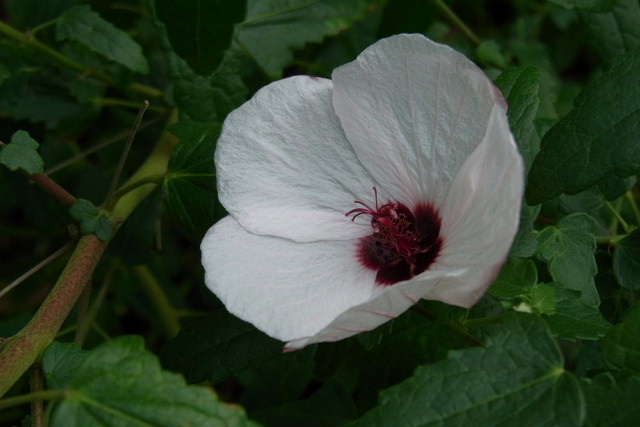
{"points": [[287, 290], [284, 166], [480, 216], [387, 304], [413, 110]]}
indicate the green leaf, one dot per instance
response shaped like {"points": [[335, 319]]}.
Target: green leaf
{"points": [[22, 153], [121, 384], [543, 299], [525, 243], [37, 97], [521, 86], [275, 28], [60, 362], [276, 382], [26, 14], [596, 140], [332, 405], [516, 278], [190, 185], [517, 379], [135, 239], [570, 318], [615, 187], [568, 249], [615, 32], [200, 30], [589, 5], [82, 25], [621, 346], [626, 261], [221, 346], [612, 402], [207, 99], [91, 219], [490, 52]]}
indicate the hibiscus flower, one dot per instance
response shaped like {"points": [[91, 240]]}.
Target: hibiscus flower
{"points": [[351, 199]]}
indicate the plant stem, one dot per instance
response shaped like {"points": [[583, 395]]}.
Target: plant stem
{"points": [[617, 216], [83, 310], [151, 179], [117, 102], [37, 405], [22, 350], [19, 352], [125, 152], [634, 205], [155, 165], [51, 187], [167, 313], [30, 397], [456, 21], [86, 322]]}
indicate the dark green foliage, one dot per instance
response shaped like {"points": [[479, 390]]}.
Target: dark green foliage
{"points": [[554, 342]]}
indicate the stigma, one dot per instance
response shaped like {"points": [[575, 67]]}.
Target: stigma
{"points": [[403, 242]]}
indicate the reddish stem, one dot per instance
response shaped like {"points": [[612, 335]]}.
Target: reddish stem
{"points": [[51, 187], [19, 352]]}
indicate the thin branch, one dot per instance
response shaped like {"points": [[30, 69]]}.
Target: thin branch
{"points": [[125, 152], [30, 397], [617, 216], [97, 147], [456, 21], [34, 269], [634, 205]]}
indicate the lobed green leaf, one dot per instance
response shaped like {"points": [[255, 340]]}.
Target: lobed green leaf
{"points": [[121, 384], [568, 249], [22, 153], [611, 401], [571, 318], [516, 278], [60, 362], [91, 219], [527, 385], [621, 346]]}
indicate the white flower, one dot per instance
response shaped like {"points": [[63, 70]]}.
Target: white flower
{"points": [[352, 198]]}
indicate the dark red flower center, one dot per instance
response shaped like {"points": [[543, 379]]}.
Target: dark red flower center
{"points": [[404, 243]]}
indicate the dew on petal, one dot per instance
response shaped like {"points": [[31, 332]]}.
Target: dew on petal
{"points": [[403, 243]]}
